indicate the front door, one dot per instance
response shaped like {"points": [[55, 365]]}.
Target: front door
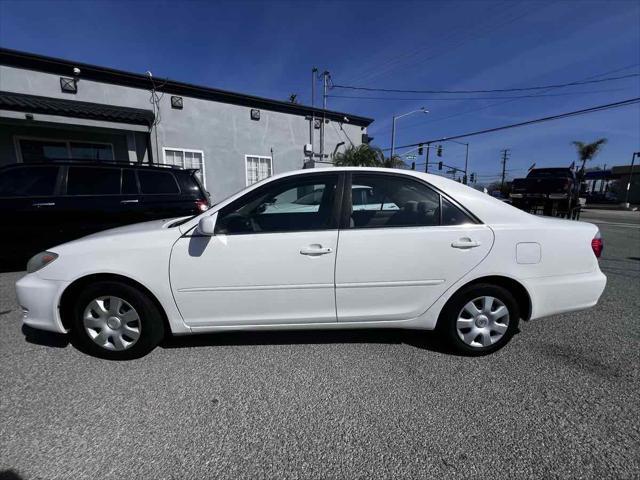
{"points": [[29, 207], [271, 260], [403, 246]]}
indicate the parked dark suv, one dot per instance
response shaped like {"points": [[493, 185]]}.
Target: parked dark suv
{"points": [[45, 204]]}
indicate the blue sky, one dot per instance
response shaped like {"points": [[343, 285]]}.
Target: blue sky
{"points": [[268, 49]]}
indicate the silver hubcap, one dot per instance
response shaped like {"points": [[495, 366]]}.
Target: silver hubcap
{"points": [[482, 322], [112, 323]]}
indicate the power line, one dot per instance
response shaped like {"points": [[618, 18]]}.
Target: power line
{"points": [[494, 90], [559, 116], [396, 60], [496, 104], [456, 99]]}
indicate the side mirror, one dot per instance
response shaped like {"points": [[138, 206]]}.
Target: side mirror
{"points": [[207, 225]]}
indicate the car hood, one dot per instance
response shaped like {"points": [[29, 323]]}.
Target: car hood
{"points": [[134, 228], [123, 250], [135, 236]]}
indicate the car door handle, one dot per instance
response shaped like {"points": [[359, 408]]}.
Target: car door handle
{"points": [[465, 243], [129, 201], [44, 204], [315, 250]]}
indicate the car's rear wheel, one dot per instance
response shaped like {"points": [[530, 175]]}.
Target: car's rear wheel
{"points": [[116, 321], [479, 319]]}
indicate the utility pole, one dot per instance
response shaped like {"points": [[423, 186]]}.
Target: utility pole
{"points": [[325, 78], [466, 165], [626, 198], [426, 165], [314, 72], [505, 157]]}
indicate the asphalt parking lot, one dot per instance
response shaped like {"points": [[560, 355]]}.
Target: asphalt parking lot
{"points": [[560, 401]]}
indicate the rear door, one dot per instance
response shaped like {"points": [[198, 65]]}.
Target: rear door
{"points": [[401, 248], [94, 199]]}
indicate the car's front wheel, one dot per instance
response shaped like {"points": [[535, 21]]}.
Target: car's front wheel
{"points": [[479, 319], [116, 321]]}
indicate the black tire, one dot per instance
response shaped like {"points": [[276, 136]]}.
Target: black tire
{"points": [[150, 320], [449, 316]]}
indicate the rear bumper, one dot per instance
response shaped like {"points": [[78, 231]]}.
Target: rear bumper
{"points": [[39, 300], [566, 293]]}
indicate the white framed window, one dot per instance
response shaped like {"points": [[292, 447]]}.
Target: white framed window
{"points": [[258, 168], [186, 158]]}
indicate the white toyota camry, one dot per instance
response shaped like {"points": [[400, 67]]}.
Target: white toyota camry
{"points": [[432, 254]]}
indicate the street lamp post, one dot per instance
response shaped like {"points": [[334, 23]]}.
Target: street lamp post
{"points": [[626, 198], [393, 127]]}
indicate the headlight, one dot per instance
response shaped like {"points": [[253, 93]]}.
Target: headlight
{"points": [[40, 260]]}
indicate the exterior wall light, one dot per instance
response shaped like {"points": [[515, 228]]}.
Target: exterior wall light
{"points": [[69, 85], [176, 102]]}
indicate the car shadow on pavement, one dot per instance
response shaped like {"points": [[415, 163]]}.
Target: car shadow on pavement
{"points": [[12, 265], [9, 475], [426, 340], [44, 338]]}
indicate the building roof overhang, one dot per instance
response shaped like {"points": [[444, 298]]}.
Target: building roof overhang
{"points": [[20, 102], [96, 73]]}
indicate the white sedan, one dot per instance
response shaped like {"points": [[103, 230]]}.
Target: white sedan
{"points": [[433, 254]]}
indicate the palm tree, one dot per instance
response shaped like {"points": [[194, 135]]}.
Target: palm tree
{"points": [[365, 155], [393, 162], [586, 151]]}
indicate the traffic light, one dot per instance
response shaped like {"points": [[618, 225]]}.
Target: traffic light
{"points": [[413, 165], [439, 151], [464, 179], [473, 177], [420, 149], [439, 165]]}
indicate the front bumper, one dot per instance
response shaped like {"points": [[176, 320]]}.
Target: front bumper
{"points": [[39, 300]]}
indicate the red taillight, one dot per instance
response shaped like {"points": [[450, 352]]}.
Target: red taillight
{"points": [[597, 245], [202, 205]]}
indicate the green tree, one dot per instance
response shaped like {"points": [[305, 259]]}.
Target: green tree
{"points": [[393, 162], [366, 156], [587, 151]]}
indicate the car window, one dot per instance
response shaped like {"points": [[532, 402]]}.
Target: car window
{"points": [[153, 182], [392, 201], [278, 207], [452, 215], [366, 198], [27, 182], [313, 198], [188, 183], [93, 181]]}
